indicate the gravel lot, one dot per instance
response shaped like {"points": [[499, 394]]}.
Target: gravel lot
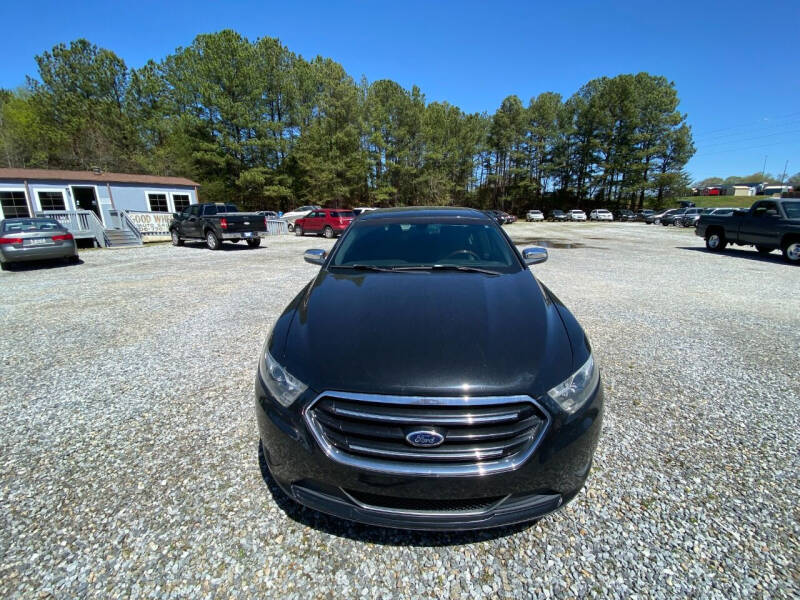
{"points": [[128, 456]]}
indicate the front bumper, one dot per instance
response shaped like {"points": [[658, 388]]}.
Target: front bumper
{"points": [[550, 478]]}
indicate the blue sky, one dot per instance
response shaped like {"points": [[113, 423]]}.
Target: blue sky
{"points": [[735, 64]]}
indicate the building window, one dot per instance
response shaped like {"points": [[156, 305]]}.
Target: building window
{"points": [[158, 202], [181, 201], [14, 204], [51, 200]]}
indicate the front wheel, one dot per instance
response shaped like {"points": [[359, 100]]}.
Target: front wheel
{"points": [[176, 239], [791, 252], [254, 243], [212, 241], [290, 227], [715, 241], [329, 232], [298, 230]]}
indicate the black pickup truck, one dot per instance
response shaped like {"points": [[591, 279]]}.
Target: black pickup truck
{"points": [[216, 223], [772, 224]]}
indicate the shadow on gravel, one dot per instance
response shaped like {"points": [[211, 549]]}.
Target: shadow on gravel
{"points": [[39, 265], [371, 534], [226, 246], [773, 257]]}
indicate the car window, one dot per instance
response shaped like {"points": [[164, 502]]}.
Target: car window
{"points": [[209, 209], [762, 207], [792, 210], [32, 225], [396, 244]]}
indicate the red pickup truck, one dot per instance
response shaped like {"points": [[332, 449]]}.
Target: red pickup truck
{"points": [[329, 222]]}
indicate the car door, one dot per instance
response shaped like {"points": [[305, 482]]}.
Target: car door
{"points": [[759, 226], [190, 226], [311, 223]]}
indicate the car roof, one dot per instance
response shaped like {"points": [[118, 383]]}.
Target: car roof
{"points": [[422, 212]]}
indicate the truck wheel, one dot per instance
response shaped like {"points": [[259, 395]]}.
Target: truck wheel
{"points": [[763, 249], [254, 243], [329, 232], [5, 266], [212, 241], [791, 252], [298, 230], [715, 241], [176, 239]]}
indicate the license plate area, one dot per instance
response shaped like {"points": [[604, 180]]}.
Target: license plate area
{"points": [[38, 242]]}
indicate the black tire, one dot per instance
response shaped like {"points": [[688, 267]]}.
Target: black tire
{"points": [[328, 233], [176, 239], [212, 241], [5, 266], [290, 227], [715, 240], [73, 260], [791, 251], [763, 249], [254, 243], [298, 230]]}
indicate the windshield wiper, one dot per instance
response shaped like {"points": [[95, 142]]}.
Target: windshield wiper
{"points": [[360, 267], [464, 268]]}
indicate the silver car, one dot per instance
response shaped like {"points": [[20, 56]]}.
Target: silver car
{"points": [[26, 239]]}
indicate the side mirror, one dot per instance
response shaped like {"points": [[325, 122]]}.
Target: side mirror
{"points": [[175, 216], [315, 257], [535, 255]]}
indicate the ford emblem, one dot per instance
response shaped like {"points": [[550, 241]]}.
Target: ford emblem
{"points": [[247, 222], [425, 439]]}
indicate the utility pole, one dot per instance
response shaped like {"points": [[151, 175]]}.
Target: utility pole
{"points": [[784, 171], [764, 168]]}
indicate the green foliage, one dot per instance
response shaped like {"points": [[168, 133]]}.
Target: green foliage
{"points": [[257, 124]]}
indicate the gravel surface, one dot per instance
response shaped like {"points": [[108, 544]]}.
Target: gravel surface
{"points": [[128, 456]]}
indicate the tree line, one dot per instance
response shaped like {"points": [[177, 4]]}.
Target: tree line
{"points": [[758, 177], [253, 122]]}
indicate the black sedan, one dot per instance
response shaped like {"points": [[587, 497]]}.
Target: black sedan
{"points": [[33, 239], [557, 215], [624, 214], [416, 406]]}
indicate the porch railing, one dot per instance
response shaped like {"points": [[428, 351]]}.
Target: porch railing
{"points": [[80, 223]]}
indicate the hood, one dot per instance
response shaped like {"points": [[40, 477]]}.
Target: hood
{"points": [[426, 333]]}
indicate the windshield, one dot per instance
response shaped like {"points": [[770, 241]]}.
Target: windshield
{"points": [[31, 225], [406, 244], [792, 210]]}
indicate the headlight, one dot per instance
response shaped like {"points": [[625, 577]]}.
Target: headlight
{"points": [[284, 387], [572, 393]]}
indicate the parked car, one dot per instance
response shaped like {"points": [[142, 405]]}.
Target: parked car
{"points": [[691, 216], [497, 215], [329, 222], [30, 239], [601, 214], [268, 214], [642, 215], [674, 217], [656, 217], [453, 420], [217, 222], [557, 215], [624, 214], [534, 215], [291, 216], [509, 217], [576, 215], [769, 225]]}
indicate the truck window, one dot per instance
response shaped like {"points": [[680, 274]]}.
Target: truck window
{"points": [[760, 209], [209, 209]]}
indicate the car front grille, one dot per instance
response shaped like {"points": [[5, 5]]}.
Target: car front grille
{"points": [[474, 435]]}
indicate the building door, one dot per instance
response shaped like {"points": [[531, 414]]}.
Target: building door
{"points": [[86, 199]]}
